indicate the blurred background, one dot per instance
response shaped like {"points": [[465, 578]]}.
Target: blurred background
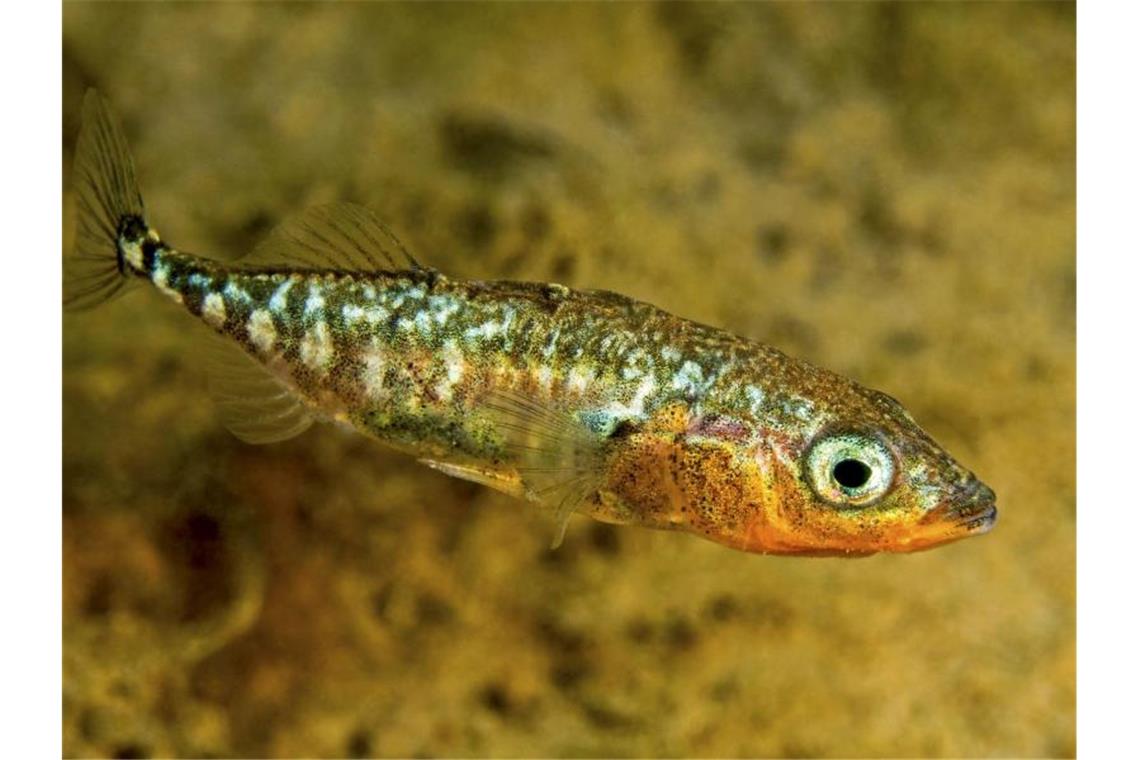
{"points": [[885, 189]]}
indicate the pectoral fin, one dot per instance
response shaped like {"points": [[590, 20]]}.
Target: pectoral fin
{"points": [[558, 457]]}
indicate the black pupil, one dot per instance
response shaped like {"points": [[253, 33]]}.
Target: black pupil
{"points": [[851, 473]]}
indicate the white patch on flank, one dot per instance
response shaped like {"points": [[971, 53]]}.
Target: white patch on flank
{"points": [[636, 405], [631, 373], [132, 252], [578, 379], [545, 376], [800, 408], [352, 313], [159, 278], [234, 293], [454, 366], [441, 308], [315, 303], [487, 330], [372, 374], [690, 378], [376, 314], [551, 343], [755, 398], [214, 311], [262, 333], [423, 322], [277, 303], [670, 354], [317, 347]]}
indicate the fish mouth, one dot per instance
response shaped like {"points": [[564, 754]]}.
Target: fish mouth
{"points": [[970, 513], [977, 512], [980, 520]]}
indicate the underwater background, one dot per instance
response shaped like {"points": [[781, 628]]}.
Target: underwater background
{"points": [[884, 189]]}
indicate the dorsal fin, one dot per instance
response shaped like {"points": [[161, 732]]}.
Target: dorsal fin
{"points": [[254, 405], [558, 456], [340, 236]]}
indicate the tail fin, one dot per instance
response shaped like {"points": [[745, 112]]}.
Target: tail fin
{"points": [[109, 205]]}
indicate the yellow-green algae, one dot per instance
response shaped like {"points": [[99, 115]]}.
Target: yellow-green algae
{"points": [[886, 189]]}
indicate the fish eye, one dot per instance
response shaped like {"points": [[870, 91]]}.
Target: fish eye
{"points": [[850, 469], [851, 473]]}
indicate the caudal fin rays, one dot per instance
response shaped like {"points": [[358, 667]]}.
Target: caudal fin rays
{"points": [[106, 192]]}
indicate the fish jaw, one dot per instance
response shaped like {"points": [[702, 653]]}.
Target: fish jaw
{"points": [[972, 513]]}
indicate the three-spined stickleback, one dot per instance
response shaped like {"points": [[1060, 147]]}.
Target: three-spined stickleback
{"points": [[580, 400]]}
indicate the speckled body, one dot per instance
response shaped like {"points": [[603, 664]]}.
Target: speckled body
{"points": [[409, 357], [583, 401]]}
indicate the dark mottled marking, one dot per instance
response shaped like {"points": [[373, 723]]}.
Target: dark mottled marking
{"points": [[100, 597], [198, 542], [696, 29], [433, 610], [359, 743], [605, 540], [722, 608], [878, 218], [536, 223], [904, 342], [88, 723], [607, 718], [149, 248], [565, 675], [724, 689], [639, 630], [495, 698], [130, 228], [772, 242], [564, 640], [490, 146], [130, 751], [477, 225], [380, 599]]}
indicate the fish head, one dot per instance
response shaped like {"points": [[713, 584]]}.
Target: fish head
{"points": [[843, 471], [859, 477]]}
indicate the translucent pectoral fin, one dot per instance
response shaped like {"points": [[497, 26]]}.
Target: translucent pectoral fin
{"points": [[558, 457], [254, 405]]}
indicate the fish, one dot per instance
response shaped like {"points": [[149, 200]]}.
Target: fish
{"points": [[577, 401]]}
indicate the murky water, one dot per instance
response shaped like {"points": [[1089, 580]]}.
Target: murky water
{"points": [[884, 189]]}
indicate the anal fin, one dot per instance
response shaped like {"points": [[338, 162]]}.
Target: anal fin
{"points": [[254, 405]]}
